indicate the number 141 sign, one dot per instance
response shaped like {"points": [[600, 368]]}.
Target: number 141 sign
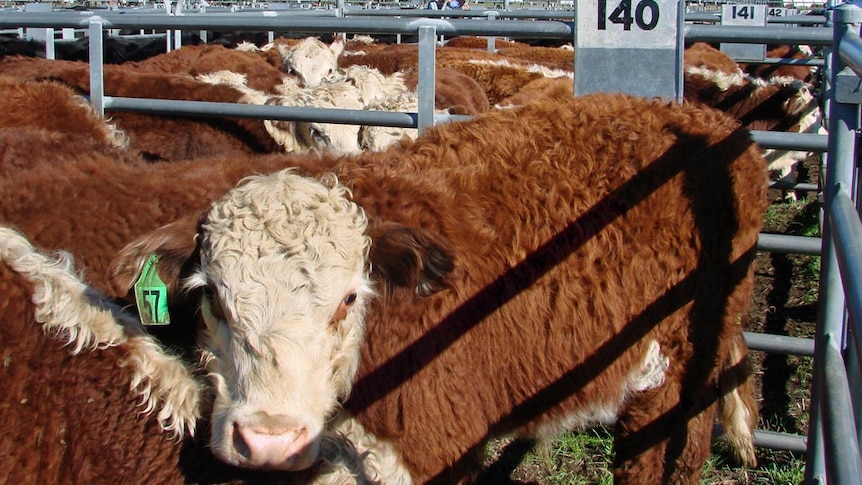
{"points": [[637, 24]]}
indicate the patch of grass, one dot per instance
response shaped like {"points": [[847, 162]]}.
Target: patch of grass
{"points": [[580, 458], [585, 458]]}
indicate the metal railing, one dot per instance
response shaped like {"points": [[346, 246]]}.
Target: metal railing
{"points": [[833, 445]]}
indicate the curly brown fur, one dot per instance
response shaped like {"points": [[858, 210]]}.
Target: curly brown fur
{"points": [[207, 58], [701, 54], [156, 137], [600, 176], [455, 92]]}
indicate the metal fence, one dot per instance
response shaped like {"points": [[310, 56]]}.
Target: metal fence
{"points": [[833, 451], [832, 445]]}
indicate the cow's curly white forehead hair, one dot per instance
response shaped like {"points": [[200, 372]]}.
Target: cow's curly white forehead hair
{"points": [[293, 211]]}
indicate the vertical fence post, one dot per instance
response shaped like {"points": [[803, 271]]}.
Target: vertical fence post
{"points": [[492, 41], [839, 169], [97, 52], [427, 75]]}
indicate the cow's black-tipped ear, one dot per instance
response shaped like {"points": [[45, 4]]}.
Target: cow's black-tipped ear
{"points": [[410, 257]]}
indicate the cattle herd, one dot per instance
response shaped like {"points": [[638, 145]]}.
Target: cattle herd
{"points": [[360, 304]]}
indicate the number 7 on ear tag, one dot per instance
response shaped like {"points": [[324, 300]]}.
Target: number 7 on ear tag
{"points": [[151, 294]]}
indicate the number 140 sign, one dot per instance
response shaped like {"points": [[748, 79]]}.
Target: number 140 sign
{"points": [[637, 24]]}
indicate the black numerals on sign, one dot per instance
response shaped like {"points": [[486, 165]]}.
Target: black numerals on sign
{"points": [[645, 14], [742, 12]]}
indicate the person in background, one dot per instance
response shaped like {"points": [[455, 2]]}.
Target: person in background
{"points": [[432, 5], [465, 5], [453, 5]]}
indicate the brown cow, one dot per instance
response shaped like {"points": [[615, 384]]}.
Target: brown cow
{"points": [[194, 60], [40, 119], [157, 137], [807, 74], [539, 269], [703, 55], [779, 104], [85, 395]]}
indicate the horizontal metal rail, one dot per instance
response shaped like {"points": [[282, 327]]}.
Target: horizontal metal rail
{"points": [[784, 244], [810, 142], [787, 185], [772, 439], [780, 344], [385, 24], [818, 36], [283, 22], [780, 441], [237, 110]]}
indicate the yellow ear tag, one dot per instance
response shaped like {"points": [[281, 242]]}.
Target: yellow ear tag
{"points": [[151, 294]]}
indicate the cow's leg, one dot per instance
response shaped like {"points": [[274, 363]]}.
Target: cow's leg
{"points": [[663, 439]]}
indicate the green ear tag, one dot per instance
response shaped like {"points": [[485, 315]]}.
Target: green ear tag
{"points": [[151, 294]]}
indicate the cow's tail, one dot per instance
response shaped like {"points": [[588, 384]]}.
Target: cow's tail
{"points": [[738, 410]]}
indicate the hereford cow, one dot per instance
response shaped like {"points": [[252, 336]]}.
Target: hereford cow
{"points": [[85, 395], [194, 60], [538, 269], [455, 92], [779, 104], [807, 74], [704, 56], [502, 79]]}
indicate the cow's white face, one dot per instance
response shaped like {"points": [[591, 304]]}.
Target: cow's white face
{"points": [[311, 60], [284, 273], [305, 136]]}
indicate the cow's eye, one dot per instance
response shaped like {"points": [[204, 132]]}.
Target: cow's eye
{"points": [[341, 312], [319, 136], [213, 302]]}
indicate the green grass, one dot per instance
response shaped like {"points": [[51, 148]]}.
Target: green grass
{"points": [[584, 458]]}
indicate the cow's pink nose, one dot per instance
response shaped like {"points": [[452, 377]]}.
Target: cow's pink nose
{"points": [[268, 448]]}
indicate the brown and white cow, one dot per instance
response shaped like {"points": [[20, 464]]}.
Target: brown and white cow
{"points": [[779, 104], [529, 271], [85, 395]]}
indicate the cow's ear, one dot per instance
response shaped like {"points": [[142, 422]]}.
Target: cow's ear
{"points": [[174, 245], [410, 257], [337, 46]]}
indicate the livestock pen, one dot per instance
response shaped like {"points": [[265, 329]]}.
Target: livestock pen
{"points": [[833, 405]]}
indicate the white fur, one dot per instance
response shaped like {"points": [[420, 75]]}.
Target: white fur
{"points": [[650, 375], [277, 358]]}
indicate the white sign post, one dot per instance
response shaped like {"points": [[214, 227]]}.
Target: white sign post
{"points": [[629, 46]]}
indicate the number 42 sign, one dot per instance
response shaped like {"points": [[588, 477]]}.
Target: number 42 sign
{"points": [[629, 46]]}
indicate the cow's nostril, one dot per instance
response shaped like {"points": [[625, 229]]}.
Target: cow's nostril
{"points": [[239, 444]]}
